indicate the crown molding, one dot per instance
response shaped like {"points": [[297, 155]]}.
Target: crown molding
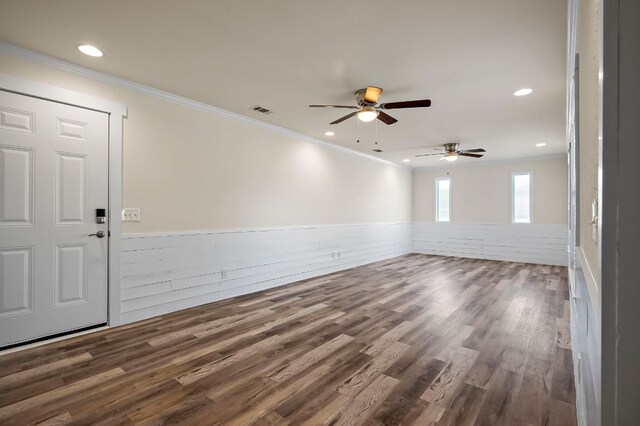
{"points": [[59, 64]]}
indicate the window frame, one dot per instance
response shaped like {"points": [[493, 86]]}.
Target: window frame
{"points": [[437, 201], [512, 197]]}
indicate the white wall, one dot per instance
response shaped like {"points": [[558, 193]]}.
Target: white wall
{"points": [[589, 35], [193, 170], [229, 207], [480, 192], [481, 225]]}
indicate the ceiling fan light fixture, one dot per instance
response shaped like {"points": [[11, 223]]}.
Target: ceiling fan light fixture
{"points": [[367, 115], [451, 156]]}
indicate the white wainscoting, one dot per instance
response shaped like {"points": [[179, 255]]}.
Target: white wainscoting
{"points": [[586, 342], [530, 243], [168, 272], [163, 273]]}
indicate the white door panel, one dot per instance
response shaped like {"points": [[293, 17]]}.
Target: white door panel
{"points": [[70, 190], [16, 193], [16, 267], [17, 120], [70, 274], [53, 177]]}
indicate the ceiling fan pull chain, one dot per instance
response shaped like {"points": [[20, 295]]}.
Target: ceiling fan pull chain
{"points": [[376, 133]]}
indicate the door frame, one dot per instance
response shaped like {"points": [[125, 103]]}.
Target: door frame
{"points": [[619, 210], [117, 112]]}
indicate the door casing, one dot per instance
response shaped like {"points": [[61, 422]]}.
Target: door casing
{"points": [[116, 114]]}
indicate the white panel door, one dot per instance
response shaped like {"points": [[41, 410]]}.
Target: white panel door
{"points": [[53, 177]]}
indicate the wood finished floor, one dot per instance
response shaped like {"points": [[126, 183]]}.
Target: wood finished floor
{"points": [[412, 340]]}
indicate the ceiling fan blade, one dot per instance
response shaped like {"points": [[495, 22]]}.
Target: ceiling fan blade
{"points": [[473, 150], [426, 155], [386, 118], [422, 103], [372, 94], [334, 106], [341, 119], [468, 154]]}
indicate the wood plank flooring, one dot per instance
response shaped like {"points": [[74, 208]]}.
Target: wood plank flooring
{"points": [[413, 340]]}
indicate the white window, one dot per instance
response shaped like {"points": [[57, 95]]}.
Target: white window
{"points": [[443, 199], [521, 197]]}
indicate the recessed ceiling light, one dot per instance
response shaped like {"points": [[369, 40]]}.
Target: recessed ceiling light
{"points": [[541, 144], [87, 49], [522, 92], [406, 160], [329, 133]]}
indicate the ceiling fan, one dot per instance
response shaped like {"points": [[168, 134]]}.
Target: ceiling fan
{"points": [[368, 108], [451, 152]]}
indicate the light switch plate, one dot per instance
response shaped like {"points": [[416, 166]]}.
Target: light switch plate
{"points": [[131, 215]]}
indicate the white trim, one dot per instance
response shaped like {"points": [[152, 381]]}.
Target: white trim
{"points": [[579, 319], [592, 283], [482, 162], [256, 229], [512, 195], [122, 83], [437, 201], [52, 340], [115, 223], [116, 113], [18, 85]]}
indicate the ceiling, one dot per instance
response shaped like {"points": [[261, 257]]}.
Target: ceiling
{"points": [[468, 57]]}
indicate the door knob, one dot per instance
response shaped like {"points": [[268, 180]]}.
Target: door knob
{"points": [[99, 234]]}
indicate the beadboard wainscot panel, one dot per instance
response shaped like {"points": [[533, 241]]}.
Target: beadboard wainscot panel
{"points": [[528, 243], [163, 273], [585, 342]]}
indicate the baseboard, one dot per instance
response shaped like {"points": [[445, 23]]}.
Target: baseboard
{"points": [[532, 243], [52, 339], [170, 272]]}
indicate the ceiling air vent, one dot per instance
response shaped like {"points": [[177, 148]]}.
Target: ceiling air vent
{"points": [[261, 109], [377, 150]]}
